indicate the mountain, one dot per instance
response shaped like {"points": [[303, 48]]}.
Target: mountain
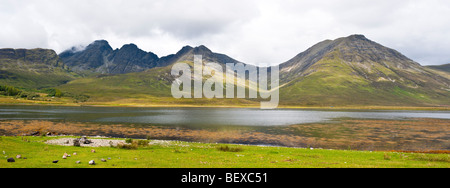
{"points": [[348, 71], [99, 57], [32, 68], [187, 54], [354, 70], [151, 86]]}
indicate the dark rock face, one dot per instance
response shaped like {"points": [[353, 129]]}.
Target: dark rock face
{"points": [[99, 57], [132, 59], [187, 54], [90, 58]]}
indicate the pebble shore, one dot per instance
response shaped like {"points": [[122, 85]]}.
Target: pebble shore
{"points": [[95, 142]]}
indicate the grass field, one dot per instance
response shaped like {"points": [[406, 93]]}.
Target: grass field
{"points": [[200, 155]]}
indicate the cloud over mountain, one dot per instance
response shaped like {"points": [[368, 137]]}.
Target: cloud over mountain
{"points": [[253, 31]]}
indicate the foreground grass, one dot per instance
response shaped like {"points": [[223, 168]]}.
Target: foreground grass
{"points": [[199, 155]]}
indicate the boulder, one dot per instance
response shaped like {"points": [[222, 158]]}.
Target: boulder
{"points": [[84, 140], [76, 142], [36, 133]]}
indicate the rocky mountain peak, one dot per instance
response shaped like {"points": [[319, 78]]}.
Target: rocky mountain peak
{"points": [[202, 50], [99, 44], [130, 46], [99, 57], [356, 37]]}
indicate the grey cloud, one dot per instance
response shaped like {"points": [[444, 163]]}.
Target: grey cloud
{"points": [[253, 31]]}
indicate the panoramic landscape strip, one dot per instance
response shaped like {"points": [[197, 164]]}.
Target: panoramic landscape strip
{"points": [[248, 84]]}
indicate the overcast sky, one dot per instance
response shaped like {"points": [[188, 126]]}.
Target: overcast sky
{"points": [[252, 31]]}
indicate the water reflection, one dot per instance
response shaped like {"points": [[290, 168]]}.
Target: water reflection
{"points": [[203, 116]]}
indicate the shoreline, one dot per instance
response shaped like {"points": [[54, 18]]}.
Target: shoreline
{"points": [[354, 134], [105, 141], [407, 108]]}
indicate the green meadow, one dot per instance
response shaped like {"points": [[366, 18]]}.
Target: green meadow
{"points": [[175, 154]]}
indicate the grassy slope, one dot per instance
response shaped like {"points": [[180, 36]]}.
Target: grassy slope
{"points": [[445, 68], [34, 80], [324, 88], [196, 155], [40, 69], [152, 87], [332, 82]]}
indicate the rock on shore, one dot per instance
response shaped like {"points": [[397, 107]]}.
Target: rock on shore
{"points": [[92, 143]]}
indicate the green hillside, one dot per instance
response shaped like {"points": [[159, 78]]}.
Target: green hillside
{"points": [[152, 87], [445, 68], [32, 69], [354, 71], [333, 83]]}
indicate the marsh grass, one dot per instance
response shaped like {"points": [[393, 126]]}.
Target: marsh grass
{"points": [[230, 149], [131, 144], [432, 158]]}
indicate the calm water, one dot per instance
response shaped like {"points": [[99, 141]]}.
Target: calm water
{"points": [[201, 116]]}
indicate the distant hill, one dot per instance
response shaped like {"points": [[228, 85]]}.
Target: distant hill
{"points": [[445, 68], [34, 68]]}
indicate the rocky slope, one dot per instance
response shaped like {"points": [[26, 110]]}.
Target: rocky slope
{"points": [[99, 57], [355, 70], [32, 68]]}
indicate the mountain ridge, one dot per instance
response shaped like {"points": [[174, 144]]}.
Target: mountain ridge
{"points": [[32, 68], [99, 57], [355, 70], [347, 71], [354, 44]]}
